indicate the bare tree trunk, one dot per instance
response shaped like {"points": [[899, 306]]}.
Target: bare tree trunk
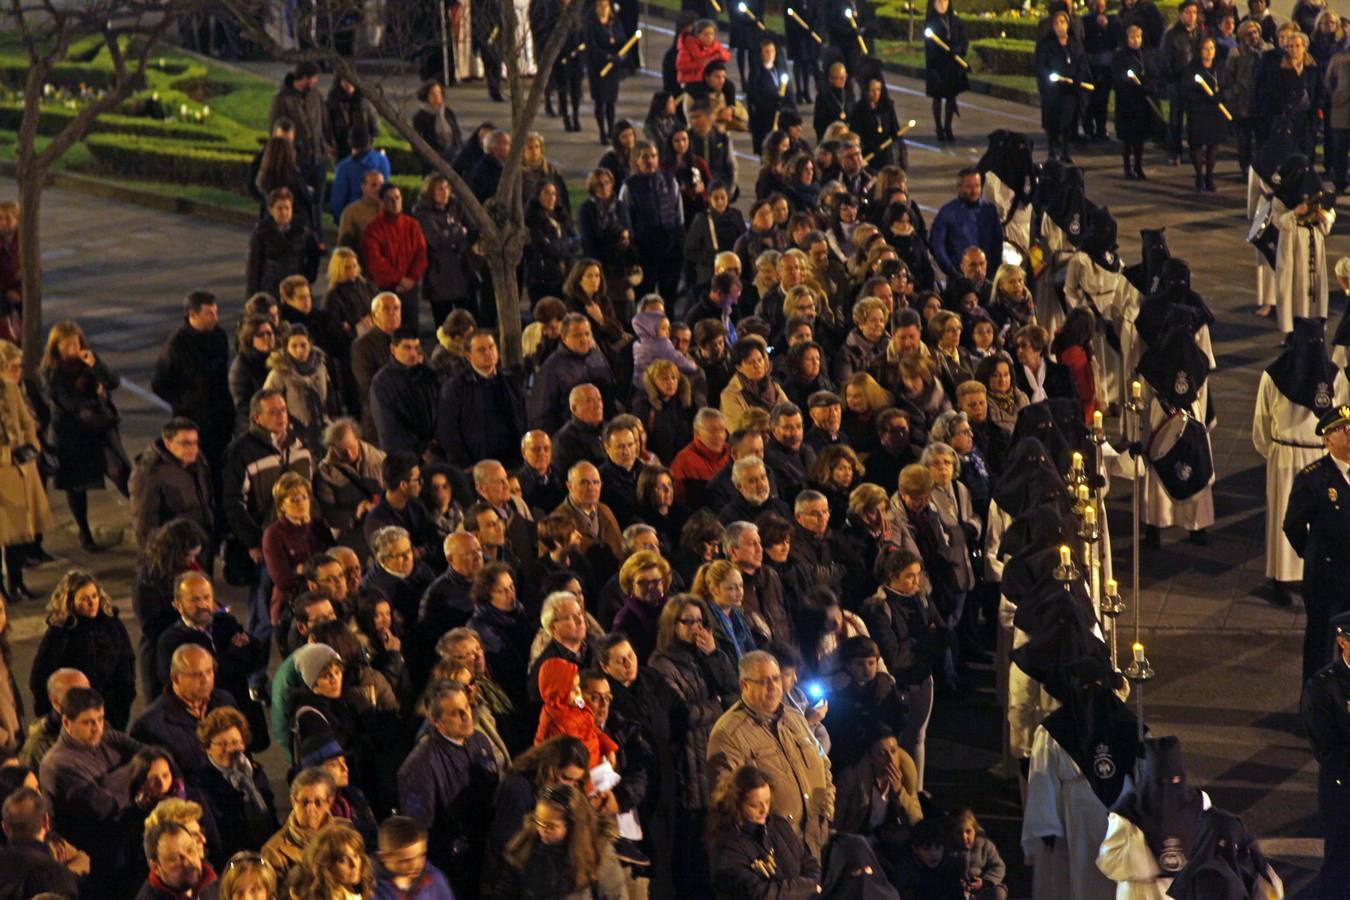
{"points": [[30, 261], [504, 266]]}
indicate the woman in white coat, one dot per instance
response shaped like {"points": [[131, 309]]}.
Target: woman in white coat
{"points": [[1295, 390], [1152, 829]]}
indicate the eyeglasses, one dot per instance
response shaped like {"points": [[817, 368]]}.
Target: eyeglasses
{"points": [[692, 623], [247, 857], [649, 582], [766, 681]]}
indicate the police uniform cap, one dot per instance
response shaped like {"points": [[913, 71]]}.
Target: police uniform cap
{"points": [[1341, 622], [1333, 418]]}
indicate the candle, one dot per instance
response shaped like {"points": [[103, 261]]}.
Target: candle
{"points": [[1097, 420], [1136, 390], [1077, 462], [1065, 556], [1083, 492], [182, 111], [1089, 515], [1111, 587], [1139, 653]]}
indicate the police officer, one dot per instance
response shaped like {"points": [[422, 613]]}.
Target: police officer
{"points": [[1326, 716], [1316, 523]]}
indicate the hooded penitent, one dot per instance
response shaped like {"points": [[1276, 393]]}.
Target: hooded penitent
{"points": [[1099, 240], [1173, 288], [1009, 158], [1029, 479], [1221, 843], [1302, 372], [1058, 424], [1060, 194], [1180, 454], [1096, 729], [1163, 806], [1145, 274], [1173, 364], [1059, 624]]}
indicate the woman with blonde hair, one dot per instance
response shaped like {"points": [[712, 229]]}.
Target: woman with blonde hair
{"points": [[563, 850], [665, 406], [953, 360], [720, 585], [335, 867], [248, 876], [25, 514], [85, 633], [863, 398], [85, 434], [1011, 304], [918, 385]]}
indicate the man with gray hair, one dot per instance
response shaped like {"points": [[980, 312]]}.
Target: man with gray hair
{"points": [[746, 442], [372, 350], [813, 542], [601, 540], [27, 866], [754, 497], [579, 439], [760, 728], [763, 590], [448, 785], [492, 484], [700, 461], [486, 174], [395, 572]]}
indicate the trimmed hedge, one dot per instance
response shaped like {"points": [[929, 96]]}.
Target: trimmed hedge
{"points": [[1005, 57], [54, 118], [148, 159], [67, 75]]}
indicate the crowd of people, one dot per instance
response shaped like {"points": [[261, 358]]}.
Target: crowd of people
{"points": [[667, 608]]}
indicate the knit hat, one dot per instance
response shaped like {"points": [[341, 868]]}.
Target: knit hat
{"points": [[315, 736], [312, 659]]}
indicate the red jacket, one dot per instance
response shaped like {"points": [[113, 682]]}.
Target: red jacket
{"points": [[393, 248], [559, 716], [1084, 383], [693, 57], [695, 466]]}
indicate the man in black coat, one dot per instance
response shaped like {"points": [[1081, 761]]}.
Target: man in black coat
{"points": [[754, 497], [171, 719], [1326, 718], [785, 453], [27, 867], [171, 480], [579, 439], [403, 398], [401, 505], [541, 484], [653, 199], [620, 470], [372, 350], [481, 411], [487, 172], [447, 602], [896, 450], [1316, 523], [192, 375], [447, 784]]}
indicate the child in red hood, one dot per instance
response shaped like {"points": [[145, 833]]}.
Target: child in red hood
{"points": [[566, 713], [696, 49]]}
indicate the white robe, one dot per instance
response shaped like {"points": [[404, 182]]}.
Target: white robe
{"points": [[1049, 312], [1060, 802], [1110, 294], [467, 63], [526, 35], [1126, 859], [1159, 507], [1265, 273], [1296, 293], [1017, 231], [1284, 433]]}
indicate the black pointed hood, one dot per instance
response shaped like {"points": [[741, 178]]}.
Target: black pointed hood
{"points": [[1099, 241], [1145, 274], [1096, 728], [1029, 478], [1009, 156], [1173, 288], [1302, 372], [1163, 806]]}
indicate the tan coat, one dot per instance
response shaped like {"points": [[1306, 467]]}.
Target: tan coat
{"points": [[735, 407], [798, 772], [24, 512]]}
